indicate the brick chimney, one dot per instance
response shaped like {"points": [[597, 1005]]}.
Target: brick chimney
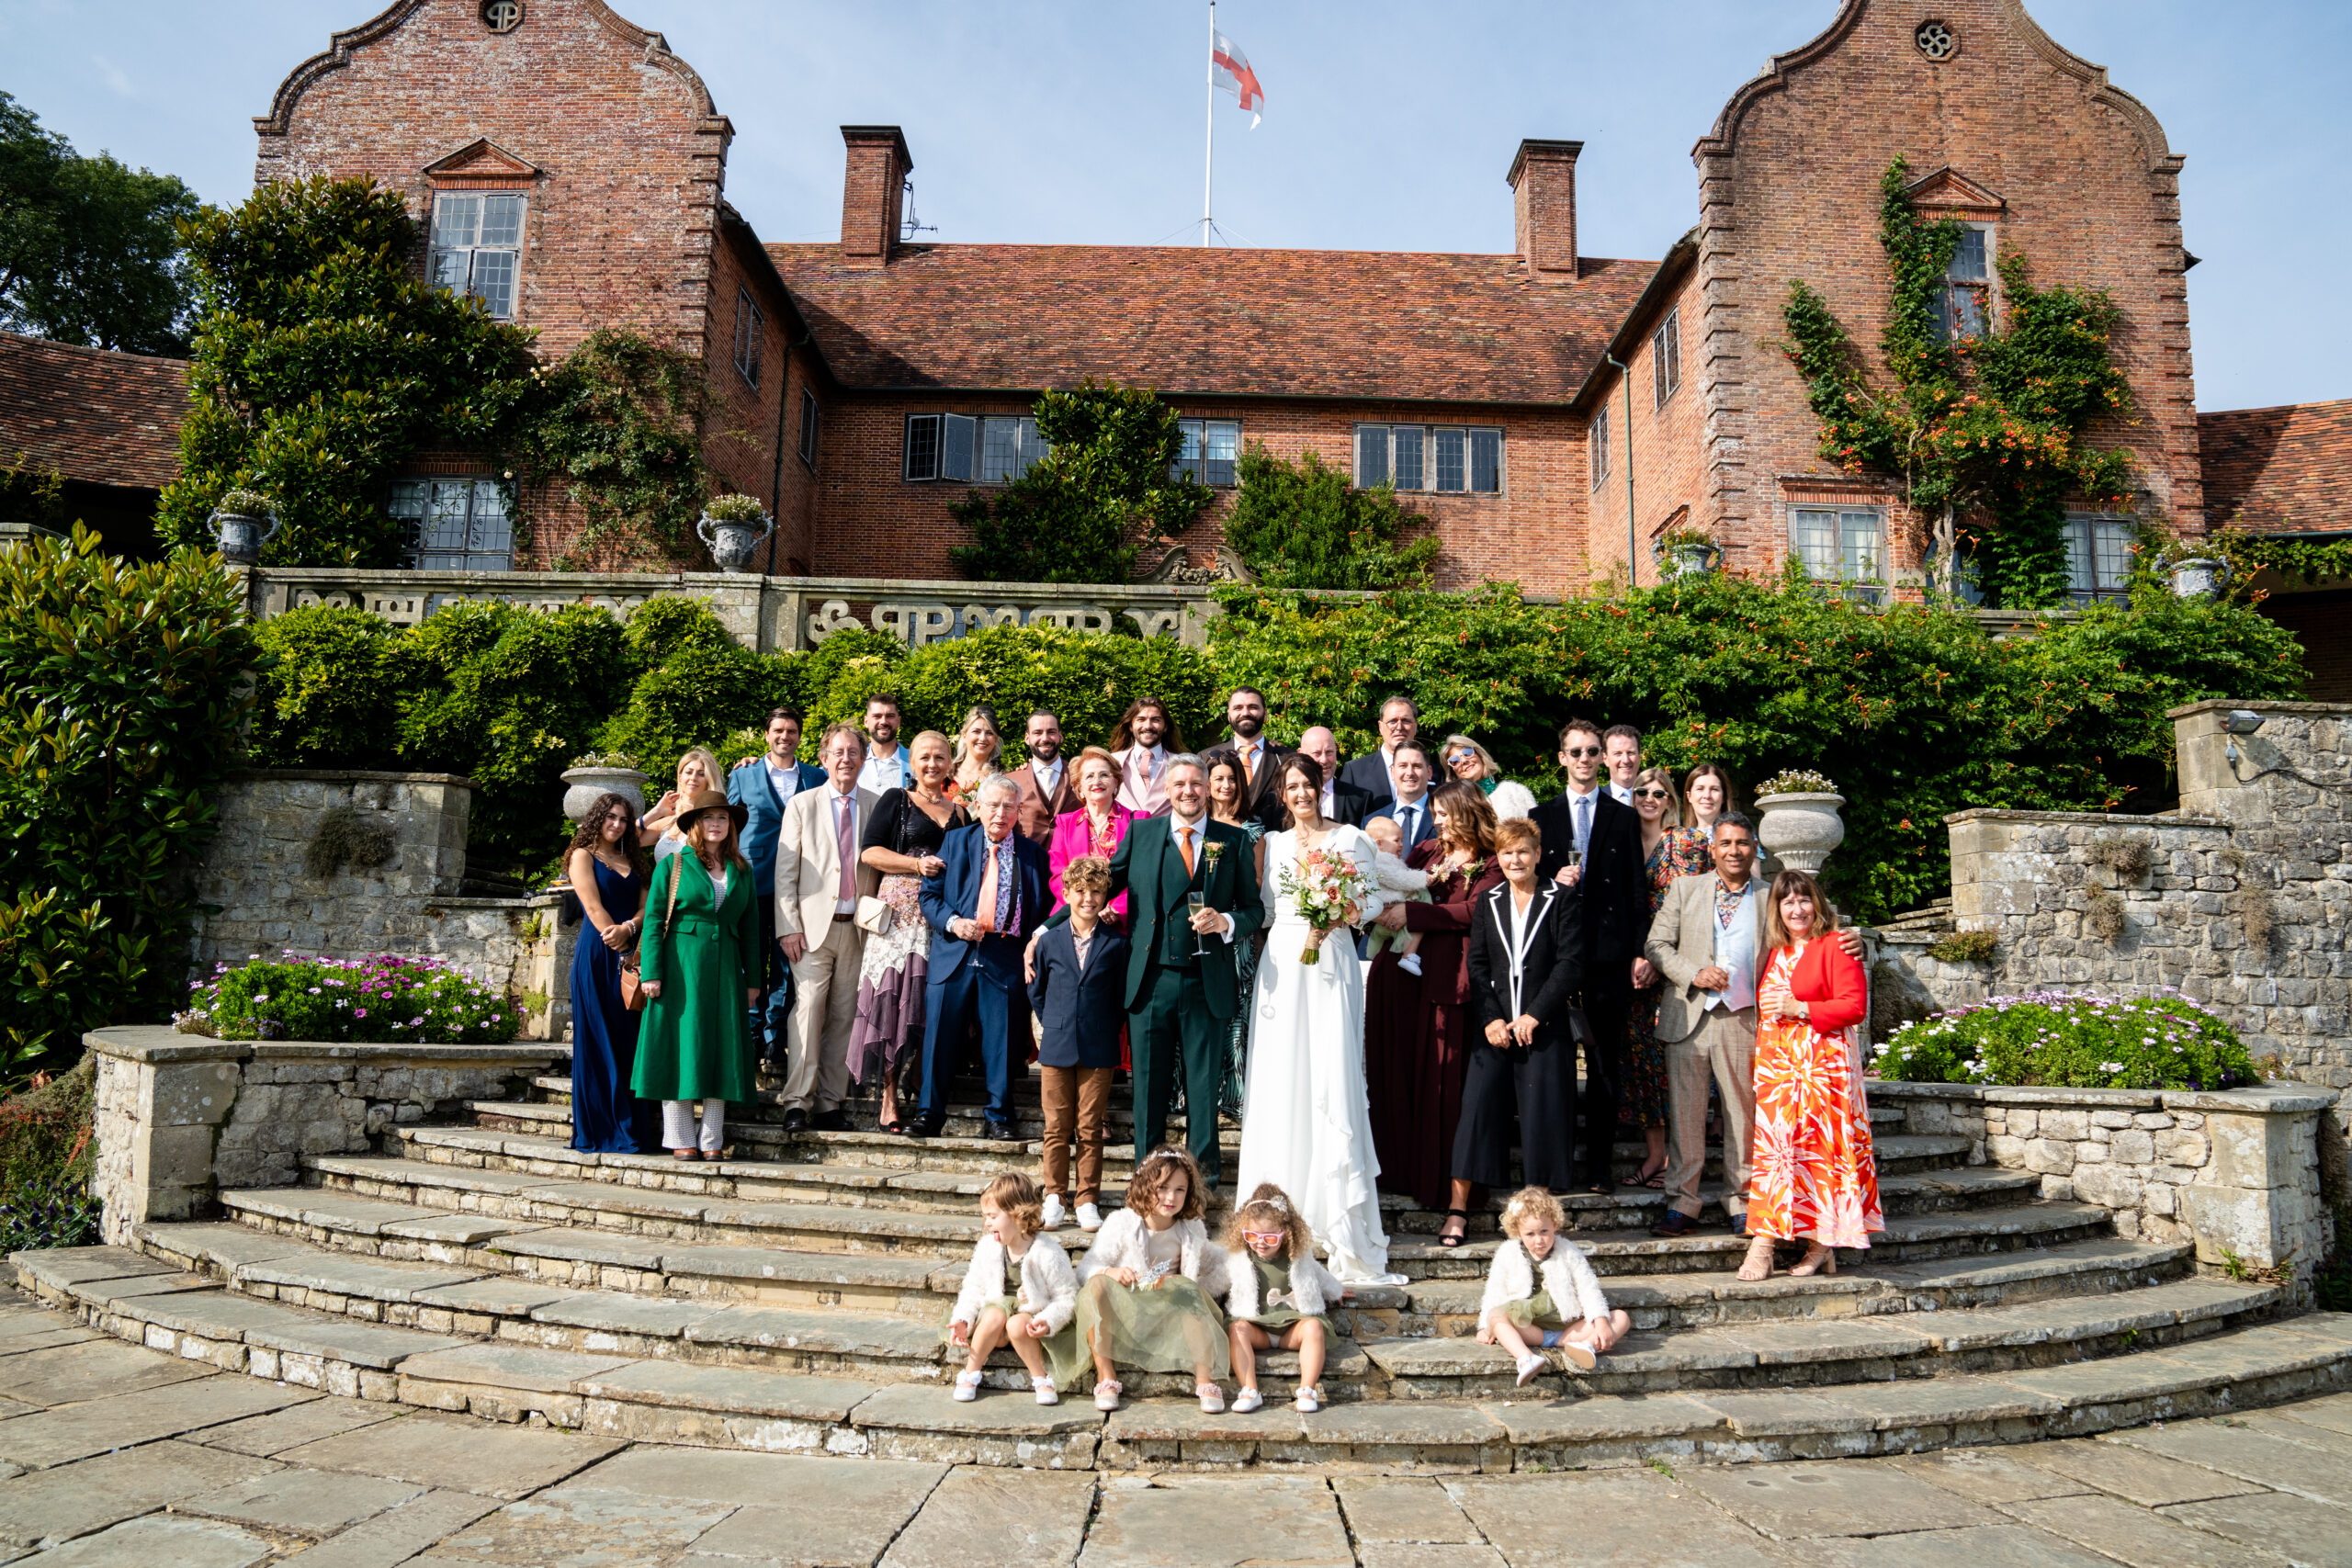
{"points": [[872, 191], [1543, 207]]}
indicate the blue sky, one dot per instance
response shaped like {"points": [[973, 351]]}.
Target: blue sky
{"points": [[1388, 127]]}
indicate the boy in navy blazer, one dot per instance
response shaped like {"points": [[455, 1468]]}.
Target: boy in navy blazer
{"points": [[1079, 995]]}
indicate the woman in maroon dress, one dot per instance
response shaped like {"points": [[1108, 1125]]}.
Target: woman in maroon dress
{"points": [[1417, 1027]]}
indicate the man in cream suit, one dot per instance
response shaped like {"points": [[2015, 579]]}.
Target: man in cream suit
{"points": [[819, 879]]}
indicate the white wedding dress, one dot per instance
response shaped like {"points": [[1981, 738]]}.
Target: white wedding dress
{"points": [[1306, 1124]]}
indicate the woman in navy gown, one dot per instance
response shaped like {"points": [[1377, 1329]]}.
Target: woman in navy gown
{"points": [[608, 874]]}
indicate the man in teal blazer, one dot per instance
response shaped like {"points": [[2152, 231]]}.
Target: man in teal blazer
{"points": [[1182, 990]]}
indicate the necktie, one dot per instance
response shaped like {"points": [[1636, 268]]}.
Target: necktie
{"points": [[845, 837], [1405, 812], [1249, 764], [985, 913], [1184, 848], [1008, 890], [1584, 822]]}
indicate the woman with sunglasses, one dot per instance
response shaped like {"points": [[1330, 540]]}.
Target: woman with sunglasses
{"points": [[1473, 764], [1668, 850]]}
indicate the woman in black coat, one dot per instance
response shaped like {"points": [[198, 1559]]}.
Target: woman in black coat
{"points": [[1525, 962]]}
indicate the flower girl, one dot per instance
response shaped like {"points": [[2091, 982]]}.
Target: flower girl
{"points": [[1277, 1296], [1019, 1287], [1520, 1316], [1149, 1285]]}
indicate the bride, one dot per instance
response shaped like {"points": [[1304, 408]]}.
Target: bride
{"points": [[1307, 1127]]}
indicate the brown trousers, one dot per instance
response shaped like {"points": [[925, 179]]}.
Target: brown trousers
{"points": [[1078, 1109]]}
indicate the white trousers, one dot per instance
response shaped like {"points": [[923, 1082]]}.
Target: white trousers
{"points": [[678, 1124]]}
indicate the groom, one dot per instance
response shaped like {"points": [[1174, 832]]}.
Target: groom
{"points": [[1181, 994]]}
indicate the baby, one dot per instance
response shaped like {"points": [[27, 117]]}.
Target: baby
{"points": [[1390, 873]]}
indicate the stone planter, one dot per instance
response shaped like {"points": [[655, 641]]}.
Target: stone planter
{"points": [[240, 537], [1691, 560], [1799, 831], [730, 542], [2199, 577], [582, 785]]}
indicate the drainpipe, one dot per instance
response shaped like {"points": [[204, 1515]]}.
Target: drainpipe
{"points": [[1625, 374], [775, 484]]}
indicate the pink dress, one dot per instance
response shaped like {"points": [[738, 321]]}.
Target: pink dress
{"points": [[1074, 839]]}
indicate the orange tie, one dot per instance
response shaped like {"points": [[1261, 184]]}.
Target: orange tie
{"points": [[1184, 848]]}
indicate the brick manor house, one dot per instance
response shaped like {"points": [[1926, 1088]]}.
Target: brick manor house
{"points": [[570, 172]]}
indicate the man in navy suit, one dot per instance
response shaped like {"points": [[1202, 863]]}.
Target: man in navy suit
{"points": [[1400, 721], [764, 785], [1080, 994], [1409, 766], [990, 893]]}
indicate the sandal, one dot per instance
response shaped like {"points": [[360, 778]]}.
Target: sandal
{"points": [[1817, 1259], [1758, 1266], [1452, 1241]]}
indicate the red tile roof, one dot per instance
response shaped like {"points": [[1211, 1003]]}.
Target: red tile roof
{"points": [[1356, 324], [2282, 470], [92, 413]]}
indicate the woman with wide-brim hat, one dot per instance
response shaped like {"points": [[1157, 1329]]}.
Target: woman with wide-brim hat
{"points": [[699, 959]]}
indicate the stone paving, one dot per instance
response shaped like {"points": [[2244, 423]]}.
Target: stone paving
{"points": [[115, 1455]]}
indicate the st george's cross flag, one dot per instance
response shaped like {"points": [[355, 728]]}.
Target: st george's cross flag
{"points": [[1233, 73]]}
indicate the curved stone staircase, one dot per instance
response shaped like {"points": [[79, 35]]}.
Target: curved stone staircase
{"points": [[794, 1297]]}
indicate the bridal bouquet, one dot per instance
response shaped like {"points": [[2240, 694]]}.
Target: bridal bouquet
{"points": [[1327, 891]]}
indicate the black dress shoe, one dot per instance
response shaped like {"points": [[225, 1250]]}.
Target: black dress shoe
{"points": [[796, 1119], [834, 1121], [925, 1126], [1675, 1225], [1001, 1132]]}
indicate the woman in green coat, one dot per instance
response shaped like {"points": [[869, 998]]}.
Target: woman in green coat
{"points": [[700, 966]]}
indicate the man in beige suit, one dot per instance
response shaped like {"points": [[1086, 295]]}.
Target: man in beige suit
{"points": [[1704, 941], [820, 877]]}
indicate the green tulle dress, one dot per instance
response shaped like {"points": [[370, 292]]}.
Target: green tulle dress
{"points": [[1066, 1358], [1171, 1327]]}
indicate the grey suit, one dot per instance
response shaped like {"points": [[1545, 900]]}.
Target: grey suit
{"points": [[1700, 1043]]}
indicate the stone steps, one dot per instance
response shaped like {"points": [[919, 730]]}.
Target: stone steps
{"points": [[616, 1211], [148, 1299]]}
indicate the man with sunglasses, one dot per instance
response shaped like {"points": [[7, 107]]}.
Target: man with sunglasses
{"points": [[1593, 844]]}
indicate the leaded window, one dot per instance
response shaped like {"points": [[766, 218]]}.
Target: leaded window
{"points": [[1211, 448], [453, 524], [1844, 545], [477, 246], [1448, 459]]}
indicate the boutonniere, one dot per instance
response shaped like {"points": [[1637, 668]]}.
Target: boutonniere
{"points": [[1212, 852]]}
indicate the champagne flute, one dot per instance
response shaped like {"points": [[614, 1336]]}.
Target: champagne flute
{"points": [[1195, 902]]}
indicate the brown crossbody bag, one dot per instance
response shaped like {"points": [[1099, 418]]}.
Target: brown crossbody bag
{"points": [[632, 981]]}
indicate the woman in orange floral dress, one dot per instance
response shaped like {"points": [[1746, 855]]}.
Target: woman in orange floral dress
{"points": [[1814, 1178]]}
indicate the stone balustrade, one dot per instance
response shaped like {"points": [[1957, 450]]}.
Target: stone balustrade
{"points": [[180, 1117], [2236, 1171]]}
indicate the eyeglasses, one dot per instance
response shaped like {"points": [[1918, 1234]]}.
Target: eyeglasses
{"points": [[1650, 794], [1261, 1235], [1582, 751]]}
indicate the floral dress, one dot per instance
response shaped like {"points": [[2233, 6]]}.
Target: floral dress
{"points": [[887, 1034], [1814, 1176], [1681, 851]]}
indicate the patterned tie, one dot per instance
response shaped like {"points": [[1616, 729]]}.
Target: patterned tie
{"points": [[845, 839], [1584, 822]]}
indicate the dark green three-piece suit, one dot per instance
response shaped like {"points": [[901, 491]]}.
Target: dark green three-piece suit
{"points": [[1181, 1005]]}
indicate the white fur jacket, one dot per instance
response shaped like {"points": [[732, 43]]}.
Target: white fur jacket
{"points": [[1391, 873], [1511, 799], [1568, 1280], [1048, 1284], [1313, 1288], [1120, 1244]]}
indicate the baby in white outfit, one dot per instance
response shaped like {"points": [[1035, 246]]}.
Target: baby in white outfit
{"points": [[1391, 875]]}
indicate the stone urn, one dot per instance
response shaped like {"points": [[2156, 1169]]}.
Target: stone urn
{"points": [[582, 785], [1694, 559], [240, 538], [2199, 577], [731, 540], [1799, 831]]}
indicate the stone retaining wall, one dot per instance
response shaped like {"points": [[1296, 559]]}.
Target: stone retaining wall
{"points": [[2238, 1172], [397, 889], [179, 1116]]}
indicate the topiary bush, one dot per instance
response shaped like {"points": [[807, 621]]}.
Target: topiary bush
{"points": [[2165, 1040], [122, 689]]}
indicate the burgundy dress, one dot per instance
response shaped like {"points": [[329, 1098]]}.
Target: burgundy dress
{"points": [[1417, 1034]]}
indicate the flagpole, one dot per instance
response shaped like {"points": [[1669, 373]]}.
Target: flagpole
{"points": [[1208, 173]]}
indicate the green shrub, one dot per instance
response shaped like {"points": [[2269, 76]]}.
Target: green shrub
{"points": [[1965, 947], [46, 1158], [338, 675], [378, 999], [1304, 525], [2051, 1040], [122, 691]]}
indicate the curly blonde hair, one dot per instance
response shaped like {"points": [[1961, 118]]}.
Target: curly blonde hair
{"points": [[1159, 1167], [1268, 1208], [1532, 1204], [1015, 1193]]}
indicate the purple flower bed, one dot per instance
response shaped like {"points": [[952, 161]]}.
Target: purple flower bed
{"points": [[2052, 1039], [380, 999]]}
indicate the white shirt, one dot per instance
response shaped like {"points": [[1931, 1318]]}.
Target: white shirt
{"points": [[1193, 834], [1624, 793], [1047, 775], [786, 780], [884, 770], [1328, 807]]}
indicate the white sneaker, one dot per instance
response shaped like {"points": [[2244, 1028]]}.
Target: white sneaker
{"points": [[1046, 1393], [1089, 1218], [967, 1386], [1053, 1218], [1530, 1363], [1248, 1399]]}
